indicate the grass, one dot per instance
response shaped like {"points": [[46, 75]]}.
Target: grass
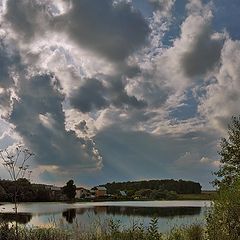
{"points": [[200, 196], [107, 231]]}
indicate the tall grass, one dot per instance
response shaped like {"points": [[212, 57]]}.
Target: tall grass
{"points": [[111, 231]]}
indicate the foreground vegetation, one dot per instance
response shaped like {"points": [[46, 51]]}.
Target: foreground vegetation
{"points": [[111, 231]]}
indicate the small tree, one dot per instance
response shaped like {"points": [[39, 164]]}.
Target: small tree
{"points": [[230, 154], [14, 159], [70, 190]]}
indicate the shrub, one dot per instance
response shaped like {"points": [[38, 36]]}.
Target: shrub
{"points": [[223, 221]]}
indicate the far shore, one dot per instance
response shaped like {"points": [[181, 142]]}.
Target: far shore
{"points": [[181, 197]]}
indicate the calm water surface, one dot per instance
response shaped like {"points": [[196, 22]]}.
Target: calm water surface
{"points": [[169, 213]]}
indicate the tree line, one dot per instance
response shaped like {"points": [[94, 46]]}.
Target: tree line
{"points": [[131, 187], [30, 192], [25, 191]]}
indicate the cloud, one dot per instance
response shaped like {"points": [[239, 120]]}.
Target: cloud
{"points": [[82, 126], [112, 30], [27, 18], [5, 102], [198, 49], [90, 96], [222, 97], [94, 95], [9, 62], [120, 97], [164, 6], [205, 49], [168, 73], [39, 119]]}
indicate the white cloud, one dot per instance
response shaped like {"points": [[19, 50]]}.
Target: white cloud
{"points": [[223, 95]]}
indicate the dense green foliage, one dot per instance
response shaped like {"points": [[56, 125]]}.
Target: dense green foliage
{"points": [[25, 191], [230, 154], [155, 194], [180, 187], [223, 222], [70, 190]]}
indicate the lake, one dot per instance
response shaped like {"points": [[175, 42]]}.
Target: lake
{"points": [[170, 213]]}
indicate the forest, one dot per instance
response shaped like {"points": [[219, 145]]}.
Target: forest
{"points": [[132, 187]]}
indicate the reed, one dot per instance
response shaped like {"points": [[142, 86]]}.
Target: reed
{"points": [[111, 231]]}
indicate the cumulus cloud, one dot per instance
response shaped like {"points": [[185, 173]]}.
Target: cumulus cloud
{"points": [[194, 55], [197, 50], [89, 96], [27, 18], [205, 49], [39, 119], [9, 61], [111, 30], [165, 6], [222, 94], [93, 95]]}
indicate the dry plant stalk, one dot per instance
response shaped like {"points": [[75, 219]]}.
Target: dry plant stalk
{"points": [[14, 160]]}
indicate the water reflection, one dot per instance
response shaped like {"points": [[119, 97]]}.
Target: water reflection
{"points": [[154, 211], [85, 214], [137, 211], [22, 218], [166, 212], [69, 215]]}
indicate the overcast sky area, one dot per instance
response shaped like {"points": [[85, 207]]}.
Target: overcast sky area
{"points": [[119, 90]]}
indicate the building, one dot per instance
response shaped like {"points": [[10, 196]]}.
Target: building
{"points": [[123, 193], [82, 192], [100, 191]]}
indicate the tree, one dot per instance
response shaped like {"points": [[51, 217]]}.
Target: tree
{"points": [[230, 154], [70, 190], [3, 194], [14, 160]]}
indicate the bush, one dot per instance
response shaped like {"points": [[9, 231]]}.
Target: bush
{"points": [[223, 221]]}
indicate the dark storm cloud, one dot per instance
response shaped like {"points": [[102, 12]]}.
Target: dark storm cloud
{"points": [[112, 30], [5, 100], [120, 98], [26, 17], [90, 96], [40, 121], [204, 55], [9, 62], [94, 95]]}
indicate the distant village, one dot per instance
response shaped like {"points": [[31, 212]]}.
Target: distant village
{"points": [[27, 192], [85, 194], [167, 189], [136, 190]]}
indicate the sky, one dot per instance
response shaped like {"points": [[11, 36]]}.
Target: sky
{"points": [[119, 90]]}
